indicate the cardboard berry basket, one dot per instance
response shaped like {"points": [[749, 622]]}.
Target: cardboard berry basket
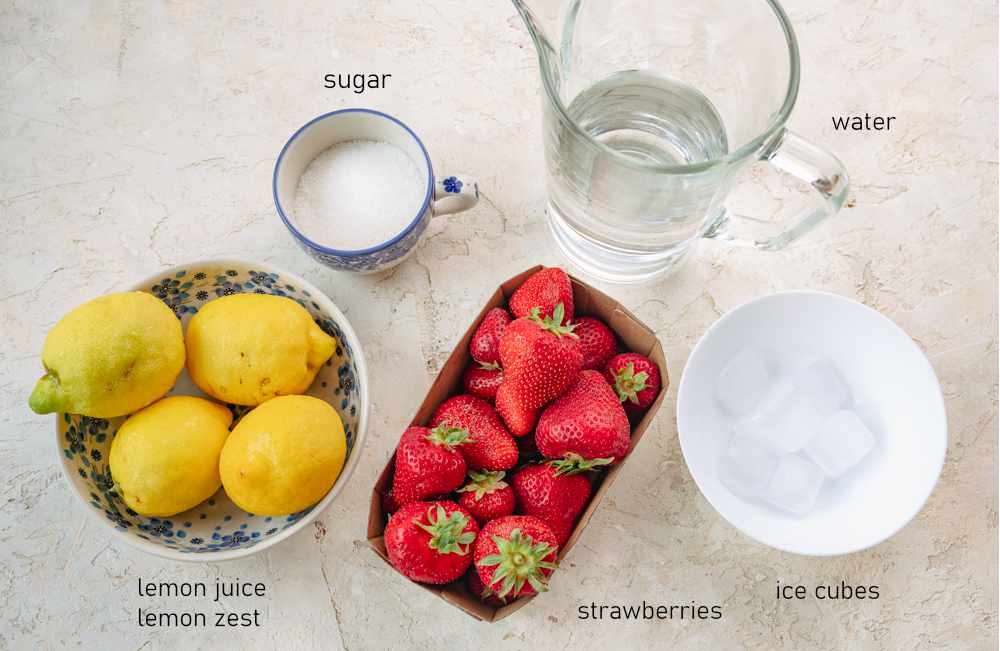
{"points": [[632, 334]]}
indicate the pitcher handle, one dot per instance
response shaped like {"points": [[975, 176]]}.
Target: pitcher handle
{"points": [[808, 162], [455, 193]]}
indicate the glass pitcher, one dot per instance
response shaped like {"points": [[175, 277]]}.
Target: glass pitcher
{"points": [[651, 110]]}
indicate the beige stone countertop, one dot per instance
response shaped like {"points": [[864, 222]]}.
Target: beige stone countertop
{"points": [[138, 135]]}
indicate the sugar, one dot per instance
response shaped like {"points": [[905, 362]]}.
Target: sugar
{"points": [[743, 382], [843, 442], [746, 466], [358, 194], [795, 485]]}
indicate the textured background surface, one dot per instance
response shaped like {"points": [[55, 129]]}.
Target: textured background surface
{"points": [[136, 135]]}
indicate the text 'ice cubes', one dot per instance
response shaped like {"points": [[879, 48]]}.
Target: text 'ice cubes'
{"points": [[743, 382], [842, 442], [746, 465], [795, 484], [796, 410]]}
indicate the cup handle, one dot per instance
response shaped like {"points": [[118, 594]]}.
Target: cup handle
{"points": [[454, 194], [808, 162]]}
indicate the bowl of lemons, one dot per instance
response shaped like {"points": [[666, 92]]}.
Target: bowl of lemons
{"points": [[208, 413]]}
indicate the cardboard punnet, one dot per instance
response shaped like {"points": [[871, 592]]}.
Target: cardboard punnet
{"points": [[635, 336]]}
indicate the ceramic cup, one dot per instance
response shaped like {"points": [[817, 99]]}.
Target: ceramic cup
{"points": [[447, 195]]}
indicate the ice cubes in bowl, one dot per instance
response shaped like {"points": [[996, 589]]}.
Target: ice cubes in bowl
{"points": [[794, 485], [842, 442], [746, 465], [743, 382]]}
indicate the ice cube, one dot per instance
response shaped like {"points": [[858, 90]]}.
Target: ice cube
{"points": [[786, 422], [822, 385], [795, 484], [746, 466], [743, 382], [841, 443]]}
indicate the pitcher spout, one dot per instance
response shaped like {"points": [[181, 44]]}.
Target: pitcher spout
{"points": [[548, 59]]}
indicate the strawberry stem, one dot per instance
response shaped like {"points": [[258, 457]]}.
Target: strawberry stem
{"points": [[518, 560], [482, 482], [573, 464], [447, 531], [554, 323], [489, 366], [449, 437], [628, 383]]}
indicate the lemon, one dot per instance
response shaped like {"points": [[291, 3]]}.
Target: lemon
{"points": [[165, 458], [247, 348], [283, 456], [109, 357]]}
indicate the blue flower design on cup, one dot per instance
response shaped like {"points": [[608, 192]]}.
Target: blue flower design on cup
{"points": [[452, 185]]}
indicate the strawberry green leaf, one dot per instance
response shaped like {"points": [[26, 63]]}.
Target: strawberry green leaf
{"points": [[448, 534], [573, 464], [628, 383], [483, 482], [554, 323], [519, 560], [449, 437]]}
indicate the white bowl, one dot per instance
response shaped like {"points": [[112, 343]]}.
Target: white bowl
{"points": [[896, 393], [217, 529]]}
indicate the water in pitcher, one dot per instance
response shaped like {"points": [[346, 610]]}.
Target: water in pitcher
{"points": [[630, 206]]}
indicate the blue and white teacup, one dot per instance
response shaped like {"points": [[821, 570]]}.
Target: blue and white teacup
{"points": [[450, 194]]}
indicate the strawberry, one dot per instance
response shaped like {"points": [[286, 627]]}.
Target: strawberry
{"points": [[596, 341], [482, 382], [553, 493], [389, 504], [586, 425], [481, 592], [544, 289], [541, 359], [485, 344], [519, 418], [491, 446], [515, 555], [428, 463], [429, 542], [636, 380], [487, 496]]}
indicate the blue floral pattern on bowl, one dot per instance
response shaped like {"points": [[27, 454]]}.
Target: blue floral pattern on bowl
{"points": [[216, 524]]}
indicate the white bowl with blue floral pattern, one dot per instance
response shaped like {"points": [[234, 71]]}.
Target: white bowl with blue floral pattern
{"points": [[217, 529]]}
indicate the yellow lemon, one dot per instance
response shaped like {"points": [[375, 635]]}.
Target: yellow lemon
{"points": [[283, 456], [109, 357], [165, 458], [248, 348]]}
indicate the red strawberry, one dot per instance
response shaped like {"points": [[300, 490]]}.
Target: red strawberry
{"points": [[544, 289], [487, 496], [586, 424], [482, 382], [636, 380], [515, 555], [428, 463], [596, 341], [389, 504], [485, 344], [554, 494], [541, 359], [429, 542], [519, 418], [481, 592], [490, 445]]}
